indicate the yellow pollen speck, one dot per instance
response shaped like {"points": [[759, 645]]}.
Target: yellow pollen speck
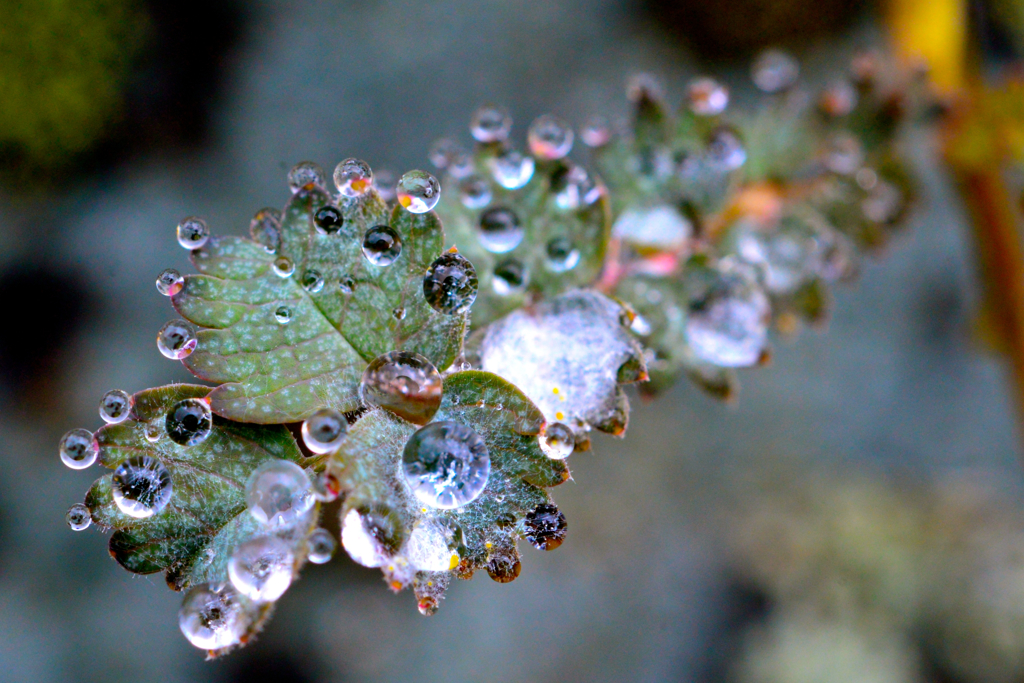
{"points": [[559, 415], [488, 545], [423, 509], [454, 561], [430, 583]]}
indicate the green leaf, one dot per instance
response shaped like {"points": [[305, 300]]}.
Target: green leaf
{"points": [[475, 536], [349, 312]]}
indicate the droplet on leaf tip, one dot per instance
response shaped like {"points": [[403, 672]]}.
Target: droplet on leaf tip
{"points": [[193, 233], [321, 546], [265, 229], [169, 282], [545, 527], [418, 191], [490, 124], [261, 568], [176, 340], [549, 138], [324, 431], [212, 616], [306, 173], [78, 517], [115, 406], [353, 177]]}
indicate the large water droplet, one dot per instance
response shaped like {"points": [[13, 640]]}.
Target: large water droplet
{"points": [[446, 464], [353, 177], [78, 517], [176, 340], [193, 233], [283, 315], [549, 138], [500, 230], [405, 383], [418, 191], [261, 568], [141, 487], [306, 173], [558, 442], [212, 616], [381, 245], [707, 97], [328, 220], [115, 406], [283, 266], [474, 192], [562, 255], [545, 526], [512, 170], [510, 277], [278, 493], [189, 422], [265, 229], [774, 70], [321, 546], [725, 150], [427, 547], [727, 320], [169, 282], [490, 124], [450, 285], [324, 430], [312, 281]]}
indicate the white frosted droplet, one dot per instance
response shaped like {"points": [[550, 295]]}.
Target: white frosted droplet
{"points": [[261, 568], [78, 449], [213, 617], [661, 227], [727, 322], [279, 493], [360, 541], [427, 547]]}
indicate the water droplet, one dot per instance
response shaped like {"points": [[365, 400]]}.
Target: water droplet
{"points": [[644, 86], [176, 340], [446, 464], [283, 266], [405, 383], [321, 546], [574, 188], [558, 442], [512, 170], [545, 527], [78, 518], [399, 313], [509, 277], [278, 493], [326, 487], [370, 536], [384, 183], [418, 191], [346, 284], [442, 152], [312, 281], [500, 230], [265, 229], [324, 430], [450, 285], [381, 245], [839, 98], [727, 319], [141, 487], [353, 177], [462, 165], [261, 568], [169, 282], [562, 255], [328, 220], [189, 422], [549, 138], [306, 173], [115, 406], [774, 70], [427, 547], [707, 97], [212, 616], [474, 192], [193, 233], [504, 568], [283, 315], [153, 431], [596, 132], [725, 150], [490, 124], [843, 154]]}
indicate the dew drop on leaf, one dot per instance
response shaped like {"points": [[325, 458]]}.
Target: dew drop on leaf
{"points": [[261, 568], [707, 97], [596, 132], [545, 526], [442, 152], [169, 282], [353, 177], [321, 546], [512, 170], [427, 547], [474, 192], [306, 173], [399, 313], [727, 321], [212, 616], [78, 449], [366, 536], [510, 277], [283, 266], [446, 464], [324, 430], [78, 517], [562, 255], [265, 229], [326, 487], [549, 138], [418, 191], [189, 422], [774, 70], [346, 285], [725, 150], [176, 340], [490, 124], [381, 245], [575, 189], [193, 233], [141, 487], [450, 285], [405, 383], [278, 493], [504, 568], [312, 281], [328, 220], [115, 406], [557, 441], [500, 230], [283, 315], [153, 431]]}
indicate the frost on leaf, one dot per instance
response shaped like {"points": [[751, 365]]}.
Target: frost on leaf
{"points": [[287, 332], [386, 524], [195, 501], [570, 355]]}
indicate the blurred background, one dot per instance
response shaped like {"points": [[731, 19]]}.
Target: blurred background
{"points": [[857, 516]]}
